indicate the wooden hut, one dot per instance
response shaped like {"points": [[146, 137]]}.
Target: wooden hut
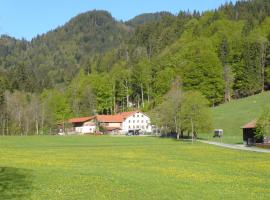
{"points": [[249, 133]]}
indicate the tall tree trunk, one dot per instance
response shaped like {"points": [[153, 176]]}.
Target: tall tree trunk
{"points": [[27, 126], [178, 135], [7, 126], [142, 95], [263, 58], [227, 79], [127, 97], [127, 56], [42, 120], [20, 123], [192, 129], [176, 127], [122, 105], [148, 93], [114, 100], [3, 126], [37, 127]]}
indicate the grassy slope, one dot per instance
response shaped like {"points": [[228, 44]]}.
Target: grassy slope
{"points": [[232, 116], [128, 168]]}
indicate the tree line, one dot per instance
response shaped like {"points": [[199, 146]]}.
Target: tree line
{"points": [[182, 112]]}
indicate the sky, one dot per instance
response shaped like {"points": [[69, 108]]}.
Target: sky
{"points": [[28, 18]]}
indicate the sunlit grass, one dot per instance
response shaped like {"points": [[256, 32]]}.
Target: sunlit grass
{"points": [[232, 116], [134, 168]]}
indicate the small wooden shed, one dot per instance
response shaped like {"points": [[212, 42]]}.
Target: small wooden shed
{"points": [[249, 131]]}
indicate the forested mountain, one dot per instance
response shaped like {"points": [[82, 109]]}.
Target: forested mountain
{"points": [[147, 18], [59, 54], [95, 64]]}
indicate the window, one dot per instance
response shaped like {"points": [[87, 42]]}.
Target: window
{"points": [[137, 126], [133, 121], [128, 121], [129, 127], [133, 126], [138, 121], [138, 115], [142, 127], [142, 121], [133, 115], [142, 115]]}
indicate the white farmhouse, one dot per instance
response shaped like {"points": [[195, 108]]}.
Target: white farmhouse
{"points": [[136, 121], [122, 123]]}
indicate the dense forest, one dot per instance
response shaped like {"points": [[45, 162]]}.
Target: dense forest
{"points": [[96, 64]]}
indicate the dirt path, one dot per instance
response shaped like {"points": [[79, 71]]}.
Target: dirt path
{"points": [[237, 147]]}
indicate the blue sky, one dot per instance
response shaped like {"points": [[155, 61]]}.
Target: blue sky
{"points": [[27, 18]]}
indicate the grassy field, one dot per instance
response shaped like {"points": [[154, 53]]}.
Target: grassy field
{"points": [[232, 116], [53, 167]]}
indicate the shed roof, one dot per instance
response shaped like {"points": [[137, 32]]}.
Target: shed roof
{"points": [[251, 124], [81, 119]]}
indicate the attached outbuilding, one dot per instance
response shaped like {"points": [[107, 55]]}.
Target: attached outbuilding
{"points": [[83, 125], [113, 130]]}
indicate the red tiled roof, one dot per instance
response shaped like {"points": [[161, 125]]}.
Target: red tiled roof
{"points": [[110, 118], [80, 119], [127, 114], [250, 124], [118, 118]]}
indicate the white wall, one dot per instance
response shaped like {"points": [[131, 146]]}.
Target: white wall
{"points": [[116, 124], [85, 129], [137, 121]]}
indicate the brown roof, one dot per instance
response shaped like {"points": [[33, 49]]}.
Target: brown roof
{"points": [[110, 118], [127, 114], [118, 118], [251, 124], [81, 119]]}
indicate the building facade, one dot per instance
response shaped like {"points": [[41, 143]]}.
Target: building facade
{"points": [[82, 125], [137, 121], [122, 123]]}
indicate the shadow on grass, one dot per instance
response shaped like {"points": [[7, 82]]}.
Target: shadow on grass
{"points": [[185, 138], [15, 183]]}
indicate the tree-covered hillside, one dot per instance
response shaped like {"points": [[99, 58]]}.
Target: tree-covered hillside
{"points": [[55, 57], [147, 18], [95, 64]]}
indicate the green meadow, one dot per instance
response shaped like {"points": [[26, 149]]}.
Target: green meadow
{"points": [[103, 167], [232, 116]]}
